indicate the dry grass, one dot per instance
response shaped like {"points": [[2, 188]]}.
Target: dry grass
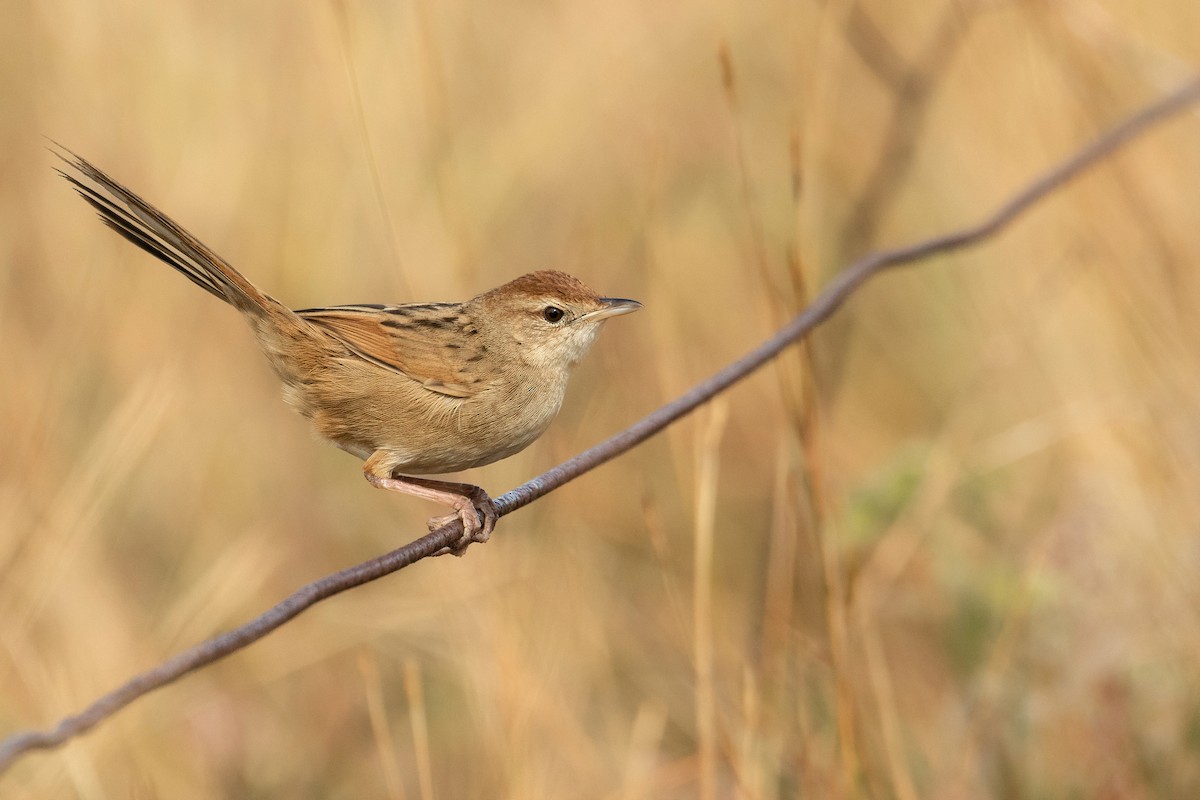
{"points": [[951, 552]]}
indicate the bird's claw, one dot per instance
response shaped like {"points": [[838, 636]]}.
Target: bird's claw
{"points": [[478, 515]]}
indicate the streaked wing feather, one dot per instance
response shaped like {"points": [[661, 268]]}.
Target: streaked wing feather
{"points": [[426, 354]]}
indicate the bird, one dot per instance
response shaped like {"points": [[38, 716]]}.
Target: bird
{"points": [[412, 389]]}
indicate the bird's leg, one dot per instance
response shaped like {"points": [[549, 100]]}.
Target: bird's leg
{"points": [[472, 504]]}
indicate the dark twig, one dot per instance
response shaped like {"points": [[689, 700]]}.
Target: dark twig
{"points": [[913, 88], [828, 302]]}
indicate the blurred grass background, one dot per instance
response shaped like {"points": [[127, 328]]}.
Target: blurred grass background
{"points": [[950, 550]]}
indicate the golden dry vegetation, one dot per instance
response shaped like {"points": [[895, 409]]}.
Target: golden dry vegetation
{"points": [[956, 554]]}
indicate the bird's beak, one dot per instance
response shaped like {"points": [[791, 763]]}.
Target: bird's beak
{"points": [[613, 307]]}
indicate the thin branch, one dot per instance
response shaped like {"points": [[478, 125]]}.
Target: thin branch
{"points": [[913, 88], [845, 284]]}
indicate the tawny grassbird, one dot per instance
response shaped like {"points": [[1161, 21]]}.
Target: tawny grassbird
{"points": [[415, 389]]}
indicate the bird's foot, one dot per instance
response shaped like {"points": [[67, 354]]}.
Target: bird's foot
{"points": [[478, 515], [471, 503]]}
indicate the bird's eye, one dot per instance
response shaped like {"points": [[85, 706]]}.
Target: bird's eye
{"points": [[552, 314]]}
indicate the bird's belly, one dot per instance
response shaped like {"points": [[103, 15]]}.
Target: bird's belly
{"points": [[428, 435]]}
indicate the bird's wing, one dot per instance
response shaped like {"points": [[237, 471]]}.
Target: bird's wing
{"points": [[431, 344]]}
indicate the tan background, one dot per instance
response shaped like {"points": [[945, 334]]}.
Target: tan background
{"points": [[970, 570]]}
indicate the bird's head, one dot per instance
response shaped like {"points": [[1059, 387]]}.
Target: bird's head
{"points": [[548, 319]]}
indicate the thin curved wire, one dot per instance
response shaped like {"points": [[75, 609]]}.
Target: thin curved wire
{"points": [[834, 295]]}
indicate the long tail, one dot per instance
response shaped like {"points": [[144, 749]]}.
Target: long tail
{"points": [[155, 232]]}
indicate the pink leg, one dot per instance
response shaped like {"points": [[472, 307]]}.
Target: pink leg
{"points": [[471, 504]]}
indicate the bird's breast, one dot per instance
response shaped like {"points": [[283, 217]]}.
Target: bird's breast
{"points": [[509, 416]]}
